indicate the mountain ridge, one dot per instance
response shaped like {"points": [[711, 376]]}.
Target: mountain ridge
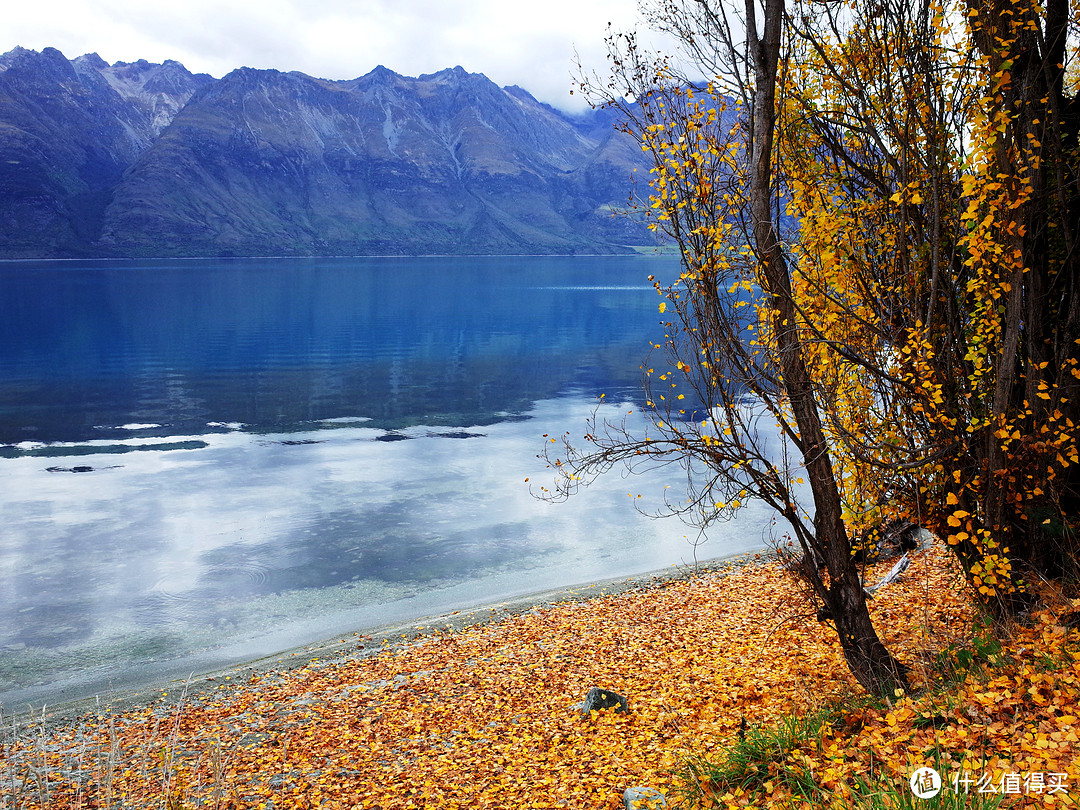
{"points": [[141, 159]]}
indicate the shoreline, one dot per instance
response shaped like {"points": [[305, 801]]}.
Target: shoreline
{"points": [[647, 251], [169, 692]]}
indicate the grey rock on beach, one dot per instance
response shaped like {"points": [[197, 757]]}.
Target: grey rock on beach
{"points": [[643, 798], [598, 698]]}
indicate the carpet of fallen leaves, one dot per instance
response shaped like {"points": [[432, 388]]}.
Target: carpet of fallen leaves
{"points": [[487, 716]]}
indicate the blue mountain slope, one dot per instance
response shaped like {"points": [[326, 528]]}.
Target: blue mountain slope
{"points": [[136, 159]]}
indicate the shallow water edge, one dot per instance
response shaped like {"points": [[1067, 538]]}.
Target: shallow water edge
{"points": [[167, 686]]}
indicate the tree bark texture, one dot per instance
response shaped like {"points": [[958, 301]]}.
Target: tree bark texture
{"points": [[869, 660]]}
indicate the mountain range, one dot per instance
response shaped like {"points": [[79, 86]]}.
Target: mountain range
{"points": [[139, 159]]}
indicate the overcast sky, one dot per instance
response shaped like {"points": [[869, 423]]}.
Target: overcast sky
{"points": [[525, 42]]}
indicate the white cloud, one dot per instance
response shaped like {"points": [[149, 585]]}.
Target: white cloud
{"points": [[529, 44]]}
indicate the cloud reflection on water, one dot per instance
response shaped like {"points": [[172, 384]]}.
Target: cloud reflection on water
{"points": [[175, 553], [209, 460]]}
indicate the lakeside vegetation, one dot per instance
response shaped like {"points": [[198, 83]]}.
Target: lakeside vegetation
{"points": [[738, 697], [877, 213]]}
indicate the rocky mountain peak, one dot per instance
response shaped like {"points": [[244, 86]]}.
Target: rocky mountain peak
{"points": [[89, 60], [456, 73], [138, 159], [47, 65], [381, 73], [12, 56]]}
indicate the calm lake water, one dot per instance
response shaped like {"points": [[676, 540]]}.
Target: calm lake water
{"points": [[206, 461]]}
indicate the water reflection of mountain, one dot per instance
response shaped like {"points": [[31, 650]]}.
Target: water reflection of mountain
{"points": [[276, 345]]}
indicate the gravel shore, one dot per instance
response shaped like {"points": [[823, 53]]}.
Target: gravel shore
{"points": [[362, 643]]}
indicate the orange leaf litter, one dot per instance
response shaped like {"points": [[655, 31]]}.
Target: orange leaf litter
{"points": [[486, 716]]}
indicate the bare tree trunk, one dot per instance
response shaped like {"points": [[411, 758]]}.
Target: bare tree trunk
{"points": [[870, 661]]}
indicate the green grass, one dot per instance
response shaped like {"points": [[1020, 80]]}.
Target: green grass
{"points": [[889, 794], [765, 758], [761, 757]]}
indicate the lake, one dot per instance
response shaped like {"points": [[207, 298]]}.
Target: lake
{"points": [[206, 461]]}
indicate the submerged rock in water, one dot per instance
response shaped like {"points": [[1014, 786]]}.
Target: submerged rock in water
{"points": [[82, 468]]}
